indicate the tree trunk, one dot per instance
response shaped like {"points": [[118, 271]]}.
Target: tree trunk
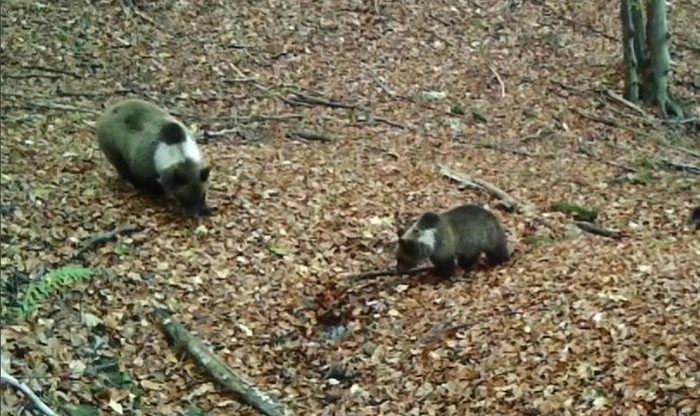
{"points": [[631, 56], [646, 55]]}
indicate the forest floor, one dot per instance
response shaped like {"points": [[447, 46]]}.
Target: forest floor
{"points": [[576, 323]]}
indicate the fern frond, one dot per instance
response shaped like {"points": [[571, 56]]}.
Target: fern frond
{"points": [[54, 281]]}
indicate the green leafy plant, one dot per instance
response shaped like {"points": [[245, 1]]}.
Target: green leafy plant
{"points": [[54, 281]]}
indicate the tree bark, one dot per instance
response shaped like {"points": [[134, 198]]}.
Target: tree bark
{"points": [[631, 58], [658, 38]]}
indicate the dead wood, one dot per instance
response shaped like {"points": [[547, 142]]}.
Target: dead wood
{"points": [[392, 123], [581, 147], [30, 76], [505, 200], [102, 238], [694, 170], [500, 82], [541, 134], [599, 230], [381, 84], [53, 70], [513, 151], [689, 152], [53, 106], [609, 121], [36, 402], [627, 103], [217, 368], [312, 135], [310, 100]]}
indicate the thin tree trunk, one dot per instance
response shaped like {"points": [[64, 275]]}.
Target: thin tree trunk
{"points": [[629, 52], [658, 38]]}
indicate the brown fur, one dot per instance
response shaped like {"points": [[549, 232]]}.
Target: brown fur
{"points": [[462, 233], [129, 132], [695, 217]]}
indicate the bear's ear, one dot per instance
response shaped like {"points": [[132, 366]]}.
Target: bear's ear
{"points": [[172, 133]]}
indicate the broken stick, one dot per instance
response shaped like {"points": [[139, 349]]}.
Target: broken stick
{"points": [[505, 200], [599, 230], [217, 368], [102, 238], [38, 404]]}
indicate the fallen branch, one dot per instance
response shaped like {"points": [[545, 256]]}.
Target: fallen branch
{"points": [[102, 238], [512, 151], [694, 170], [384, 151], [277, 95], [67, 93], [312, 135], [206, 134], [217, 368], [500, 82], [689, 152], [53, 70], [626, 103], [543, 133], [307, 99], [609, 121], [147, 18], [599, 230], [54, 106], [505, 200], [30, 76], [581, 147], [388, 272], [381, 83], [38, 404], [392, 123], [401, 97]]}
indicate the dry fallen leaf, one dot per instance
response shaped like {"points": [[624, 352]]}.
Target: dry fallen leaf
{"points": [[575, 323]]}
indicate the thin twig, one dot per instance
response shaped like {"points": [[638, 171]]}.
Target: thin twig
{"points": [[67, 93], [307, 99], [53, 70], [33, 398], [541, 134], [312, 135], [145, 17], [381, 84], [246, 80], [54, 106], [609, 121], [218, 133], [599, 230], [278, 95], [500, 82], [30, 76], [689, 152], [392, 123], [102, 238], [512, 151], [683, 167], [626, 103]]}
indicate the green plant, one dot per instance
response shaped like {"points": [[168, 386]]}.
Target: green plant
{"points": [[52, 282]]}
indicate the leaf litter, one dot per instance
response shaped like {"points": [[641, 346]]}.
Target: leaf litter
{"points": [[578, 324]]}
